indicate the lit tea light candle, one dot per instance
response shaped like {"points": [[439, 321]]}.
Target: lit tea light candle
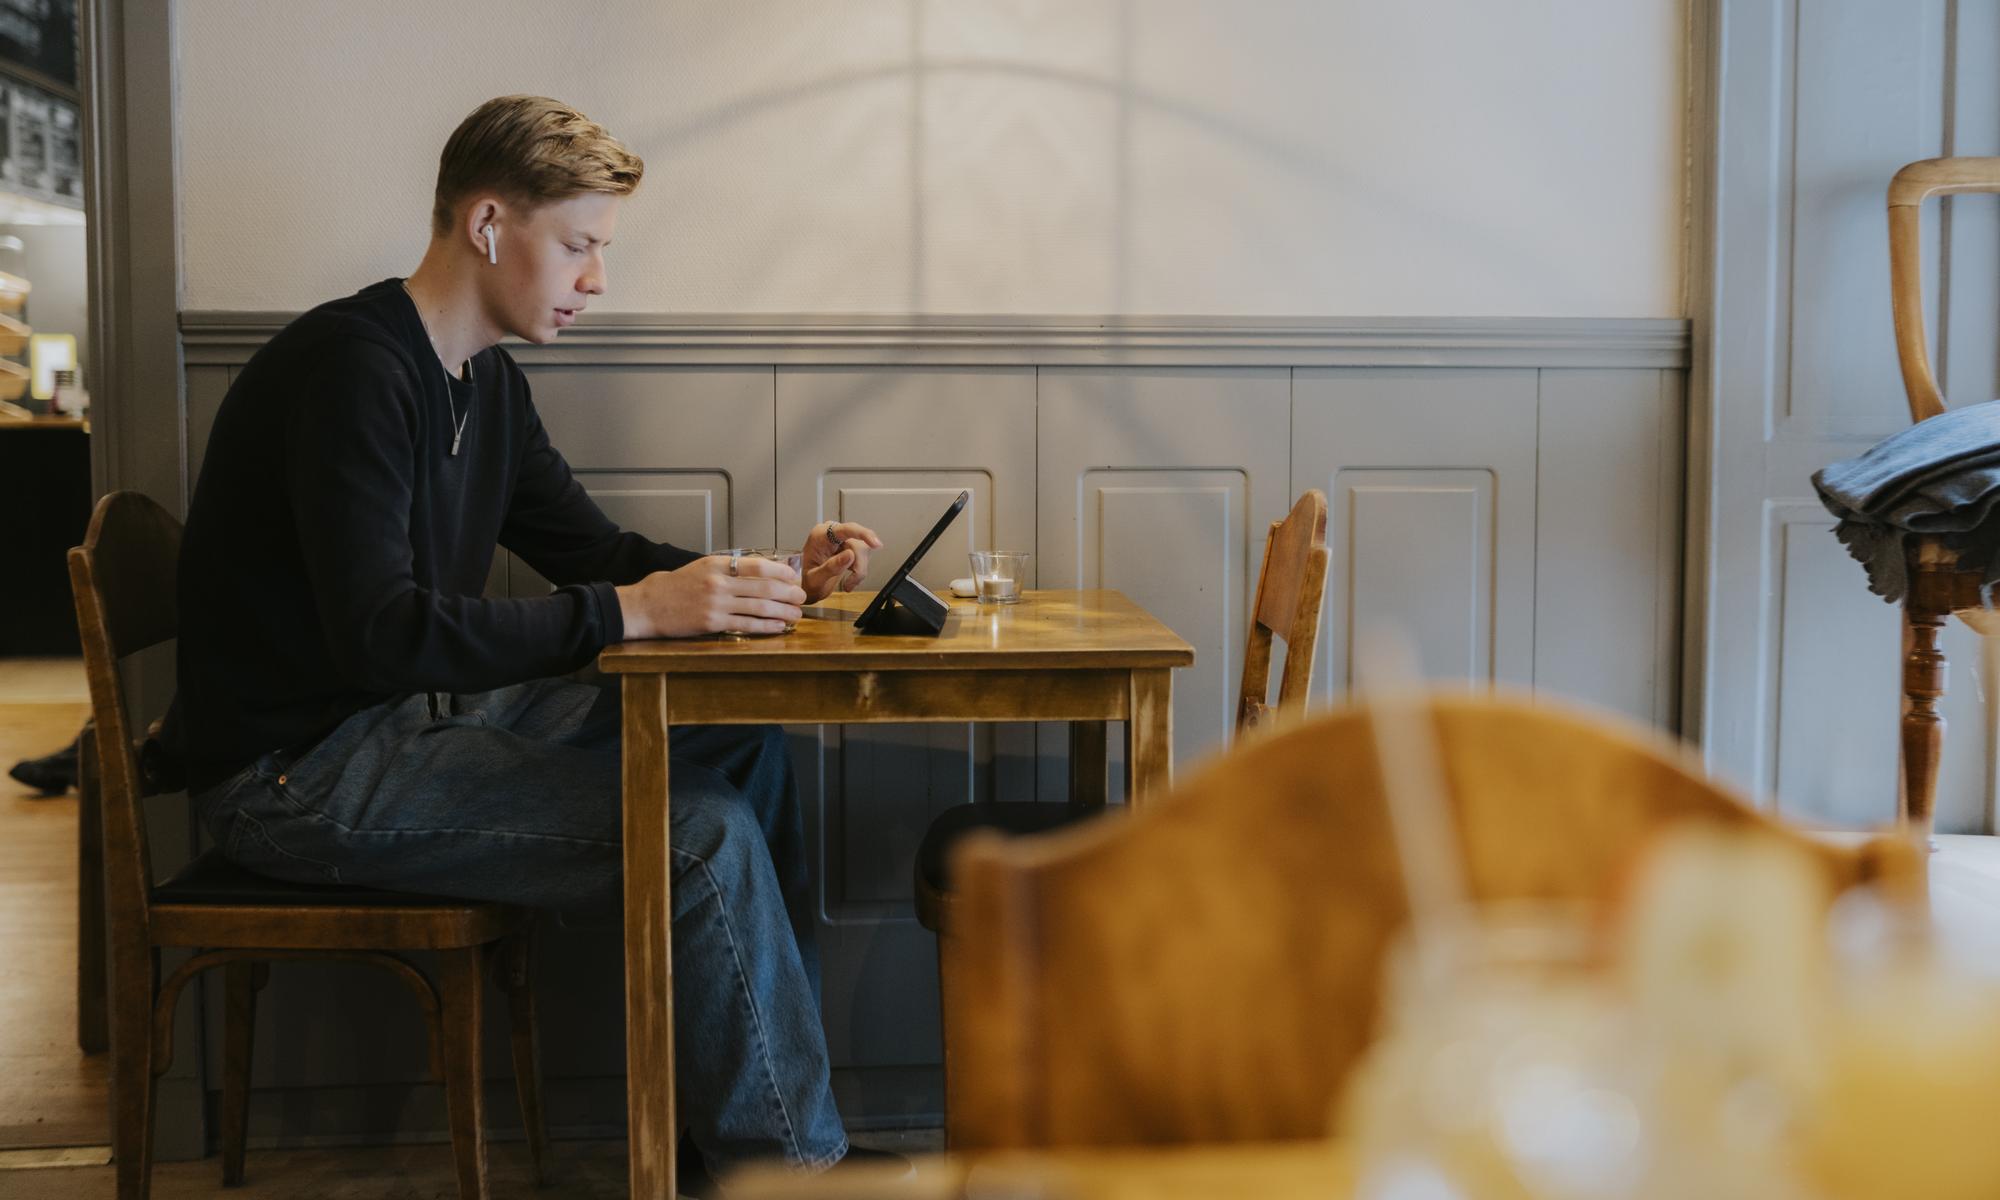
{"points": [[998, 588]]}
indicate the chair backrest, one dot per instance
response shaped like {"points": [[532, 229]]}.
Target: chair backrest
{"points": [[1290, 595], [123, 580], [1907, 192], [1209, 969]]}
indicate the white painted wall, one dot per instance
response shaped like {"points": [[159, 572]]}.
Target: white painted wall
{"points": [[1212, 157]]}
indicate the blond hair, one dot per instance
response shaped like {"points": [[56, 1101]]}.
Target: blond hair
{"points": [[530, 150]]}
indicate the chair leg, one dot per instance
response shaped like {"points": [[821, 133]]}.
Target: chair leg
{"points": [[461, 988], [1089, 764], [519, 969], [1923, 727], [93, 1023], [239, 1028], [133, 978]]}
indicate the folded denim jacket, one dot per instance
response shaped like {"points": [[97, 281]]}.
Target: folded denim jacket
{"points": [[1940, 476]]}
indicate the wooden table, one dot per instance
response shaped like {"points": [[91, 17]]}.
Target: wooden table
{"points": [[1268, 1171], [1082, 657]]}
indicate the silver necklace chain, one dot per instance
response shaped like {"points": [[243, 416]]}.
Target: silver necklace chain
{"points": [[457, 422]]}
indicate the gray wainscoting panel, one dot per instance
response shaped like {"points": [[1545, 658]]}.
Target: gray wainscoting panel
{"points": [[1608, 540], [1838, 659], [342, 1056], [1837, 656], [1161, 483], [680, 455], [623, 418], [206, 386], [890, 448], [687, 508], [1430, 483]]}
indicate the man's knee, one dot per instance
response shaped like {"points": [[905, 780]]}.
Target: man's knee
{"points": [[772, 746], [765, 744], [716, 826]]}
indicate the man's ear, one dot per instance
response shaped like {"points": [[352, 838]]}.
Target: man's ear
{"points": [[482, 212]]}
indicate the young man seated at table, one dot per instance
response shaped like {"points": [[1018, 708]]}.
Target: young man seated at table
{"points": [[352, 709]]}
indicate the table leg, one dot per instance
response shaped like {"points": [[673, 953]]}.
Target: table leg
{"points": [[93, 1022], [649, 971], [1089, 764], [1149, 734]]}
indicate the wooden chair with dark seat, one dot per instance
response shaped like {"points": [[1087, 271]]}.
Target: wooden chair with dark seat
{"points": [[1940, 587], [1290, 590], [1209, 970], [123, 577]]}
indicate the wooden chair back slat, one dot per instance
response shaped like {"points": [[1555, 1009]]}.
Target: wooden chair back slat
{"points": [[1907, 193], [123, 581], [1290, 591], [1209, 969]]}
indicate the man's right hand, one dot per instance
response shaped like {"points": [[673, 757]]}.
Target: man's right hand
{"points": [[703, 597]]}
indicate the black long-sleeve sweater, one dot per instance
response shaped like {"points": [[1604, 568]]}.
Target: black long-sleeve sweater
{"points": [[336, 550]]}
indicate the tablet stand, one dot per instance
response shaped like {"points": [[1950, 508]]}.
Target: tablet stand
{"points": [[911, 609]]}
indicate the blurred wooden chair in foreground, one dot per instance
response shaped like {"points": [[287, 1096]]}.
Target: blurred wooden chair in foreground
{"points": [[1289, 599], [1209, 969]]}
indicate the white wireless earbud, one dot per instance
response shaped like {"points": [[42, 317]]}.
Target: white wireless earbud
{"points": [[492, 245]]}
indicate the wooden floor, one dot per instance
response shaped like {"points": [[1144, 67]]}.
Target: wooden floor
{"points": [[582, 1171], [1965, 901], [579, 1171], [51, 1094]]}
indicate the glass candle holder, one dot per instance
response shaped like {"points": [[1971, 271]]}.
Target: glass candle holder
{"points": [[998, 575]]}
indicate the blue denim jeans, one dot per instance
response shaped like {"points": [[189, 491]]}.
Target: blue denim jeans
{"points": [[514, 796]]}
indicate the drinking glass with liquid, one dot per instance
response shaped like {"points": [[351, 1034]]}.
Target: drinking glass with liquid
{"points": [[791, 558]]}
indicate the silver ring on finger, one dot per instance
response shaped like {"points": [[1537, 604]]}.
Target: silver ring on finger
{"points": [[735, 558]]}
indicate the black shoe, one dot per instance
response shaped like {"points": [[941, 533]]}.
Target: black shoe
{"points": [[51, 774], [691, 1178], [693, 1181]]}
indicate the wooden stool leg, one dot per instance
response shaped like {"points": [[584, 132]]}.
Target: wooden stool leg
{"points": [[519, 969], [461, 989], [134, 977], [1923, 728], [1089, 764], [93, 1023], [239, 1029], [945, 960]]}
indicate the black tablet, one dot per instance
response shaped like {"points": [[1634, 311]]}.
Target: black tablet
{"points": [[874, 617]]}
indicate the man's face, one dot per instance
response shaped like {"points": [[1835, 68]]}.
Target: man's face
{"points": [[551, 264]]}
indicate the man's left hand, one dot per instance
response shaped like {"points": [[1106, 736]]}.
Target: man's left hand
{"points": [[835, 558]]}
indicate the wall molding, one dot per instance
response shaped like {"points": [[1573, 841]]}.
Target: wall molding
{"points": [[126, 53], [126, 68], [647, 339]]}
